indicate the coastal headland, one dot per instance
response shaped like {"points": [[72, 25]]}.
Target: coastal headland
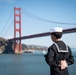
{"points": [[8, 47]]}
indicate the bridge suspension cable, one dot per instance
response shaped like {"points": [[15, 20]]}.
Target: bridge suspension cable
{"points": [[45, 20], [8, 28], [6, 23]]}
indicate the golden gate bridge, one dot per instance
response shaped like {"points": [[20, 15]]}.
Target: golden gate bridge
{"points": [[17, 23]]}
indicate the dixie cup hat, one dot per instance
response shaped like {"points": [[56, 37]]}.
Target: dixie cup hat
{"points": [[56, 29]]}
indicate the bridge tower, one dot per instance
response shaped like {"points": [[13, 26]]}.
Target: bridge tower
{"points": [[17, 30]]}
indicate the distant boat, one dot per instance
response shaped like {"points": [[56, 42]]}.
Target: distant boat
{"points": [[0, 52], [28, 51], [44, 52]]}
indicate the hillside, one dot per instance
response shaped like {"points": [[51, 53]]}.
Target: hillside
{"points": [[37, 47], [8, 46]]}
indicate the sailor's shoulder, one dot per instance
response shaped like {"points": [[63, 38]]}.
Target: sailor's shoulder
{"points": [[52, 47]]}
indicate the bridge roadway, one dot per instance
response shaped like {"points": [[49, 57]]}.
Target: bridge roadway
{"points": [[65, 31]]}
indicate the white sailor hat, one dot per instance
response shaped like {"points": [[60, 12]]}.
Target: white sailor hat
{"points": [[56, 29]]}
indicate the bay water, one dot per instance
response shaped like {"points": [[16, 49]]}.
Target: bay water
{"points": [[28, 64]]}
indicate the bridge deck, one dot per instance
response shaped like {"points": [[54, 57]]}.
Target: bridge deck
{"points": [[72, 30]]}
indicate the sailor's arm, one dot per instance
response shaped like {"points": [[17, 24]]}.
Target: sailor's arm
{"points": [[49, 57], [70, 60]]}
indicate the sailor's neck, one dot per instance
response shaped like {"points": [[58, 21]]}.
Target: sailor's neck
{"points": [[57, 40]]}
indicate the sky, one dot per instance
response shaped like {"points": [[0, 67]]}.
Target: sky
{"points": [[35, 15]]}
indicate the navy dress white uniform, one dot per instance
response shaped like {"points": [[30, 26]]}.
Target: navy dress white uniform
{"points": [[57, 52]]}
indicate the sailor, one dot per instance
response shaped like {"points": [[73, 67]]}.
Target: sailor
{"points": [[59, 55]]}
